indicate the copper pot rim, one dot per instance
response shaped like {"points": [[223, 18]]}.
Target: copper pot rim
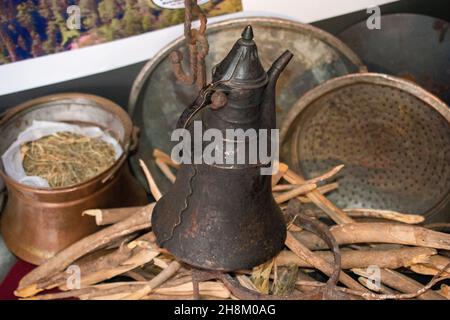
{"points": [[371, 78], [100, 102]]}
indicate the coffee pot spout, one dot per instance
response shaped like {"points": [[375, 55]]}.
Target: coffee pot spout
{"points": [[278, 66], [268, 104]]}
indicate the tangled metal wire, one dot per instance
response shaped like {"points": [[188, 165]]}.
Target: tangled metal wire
{"points": [[198, 48]]}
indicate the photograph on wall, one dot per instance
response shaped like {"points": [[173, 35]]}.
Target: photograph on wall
{"points": [[34, 28]]}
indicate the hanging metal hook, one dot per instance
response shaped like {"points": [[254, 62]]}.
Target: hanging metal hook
{"points": [[197, 45]]}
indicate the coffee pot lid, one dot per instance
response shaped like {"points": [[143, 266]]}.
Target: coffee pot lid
{"points": [[242, 68]]}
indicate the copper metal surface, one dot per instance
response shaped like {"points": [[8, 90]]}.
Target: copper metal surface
{"points": [[157, 100], [37, 223], [392, 136]]}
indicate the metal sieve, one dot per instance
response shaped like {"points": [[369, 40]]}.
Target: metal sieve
{"points": [[392, 136]]}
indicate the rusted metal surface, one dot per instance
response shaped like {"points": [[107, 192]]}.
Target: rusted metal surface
{"points": [[37, 223], [223, 216], [392, 136], [412, 46], [198, 48], [157, 98]]}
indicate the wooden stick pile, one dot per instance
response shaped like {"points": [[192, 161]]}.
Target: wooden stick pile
{"points": [[379, 254]]}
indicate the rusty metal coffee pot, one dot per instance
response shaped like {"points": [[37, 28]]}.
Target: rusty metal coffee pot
{"points": [[224, 217]]}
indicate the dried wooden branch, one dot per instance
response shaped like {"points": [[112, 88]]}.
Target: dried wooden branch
{"points": [[379, 232], [112, 290], [328, 175], [419, 293], [393, 259], [445, 291], [319, 263], [346, 227], [406, 285], [346, 224], [104, 266], [302, 189], [322, 190], [137, 276], [104, 217], [282, 169], [120, 241], [385, 214], [316, 180], [378, 288], [288, 187], [377, 214], [302, 278], [165, 170], [87, 266], [210, 288], [156, 193], [431, 266], [140, 257], [139, 221], [319, 200], [92, 291], [284, 187], [164, 157], [155, 282], [178, 279]]}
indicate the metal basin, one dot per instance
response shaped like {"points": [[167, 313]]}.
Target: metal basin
{"points": [[392, 136], [157, 100], [411, 46]]}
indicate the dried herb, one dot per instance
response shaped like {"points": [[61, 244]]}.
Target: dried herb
{"points": [[285, 283], [65, 159]]}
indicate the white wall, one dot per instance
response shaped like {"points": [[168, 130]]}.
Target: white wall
{"points": [[78, 63], [310, 10]]}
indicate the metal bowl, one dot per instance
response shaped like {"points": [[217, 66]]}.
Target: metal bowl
{"points": [[392, 136], [157, 100], [412, 46]]}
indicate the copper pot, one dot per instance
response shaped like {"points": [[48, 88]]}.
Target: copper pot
{"points": [[37, 223]]}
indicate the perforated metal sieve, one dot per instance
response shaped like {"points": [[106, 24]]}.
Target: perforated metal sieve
{"points": [[392, 136]]}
